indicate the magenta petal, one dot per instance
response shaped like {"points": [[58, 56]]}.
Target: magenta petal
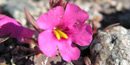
{"points": [[82, 35], [9, 26], [48, 43], [27, 33], [5, 19], [50, 19], [68, 51], [73, 12]]}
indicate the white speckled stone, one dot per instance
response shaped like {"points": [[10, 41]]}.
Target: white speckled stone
{"points": [[111, 47]]}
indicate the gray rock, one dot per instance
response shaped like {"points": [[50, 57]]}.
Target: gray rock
{"points": [[111, 47], [16, 9], [2, 2], [44, 60]]}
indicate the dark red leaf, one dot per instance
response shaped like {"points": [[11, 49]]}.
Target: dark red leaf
{"points": [[31, 20], [111, 26], [58, 3], [4, 38]]}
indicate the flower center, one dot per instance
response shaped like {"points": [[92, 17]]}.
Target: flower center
{"points": [[59, 34]]}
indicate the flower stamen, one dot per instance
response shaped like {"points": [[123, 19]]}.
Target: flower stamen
{"points": [[62, 34], [58, 33]]}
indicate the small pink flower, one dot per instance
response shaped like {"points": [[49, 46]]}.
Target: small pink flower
{"points": [[16, 30], [62, 27]]}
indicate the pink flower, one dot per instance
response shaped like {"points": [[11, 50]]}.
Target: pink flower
{"points": [[11, 26], [62, 27]]}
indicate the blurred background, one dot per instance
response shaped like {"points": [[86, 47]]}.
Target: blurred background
{"points": [[101, 12]]}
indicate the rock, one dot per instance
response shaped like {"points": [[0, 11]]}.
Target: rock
{"points": [[44, 60], [16, 9], [96, 22], [87, 61], [111, 47], [2, 2], [119, 6], [112, 2], [126, 4]]}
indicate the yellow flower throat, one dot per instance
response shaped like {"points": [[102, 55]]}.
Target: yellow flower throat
{"points": [[59, 34]]}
